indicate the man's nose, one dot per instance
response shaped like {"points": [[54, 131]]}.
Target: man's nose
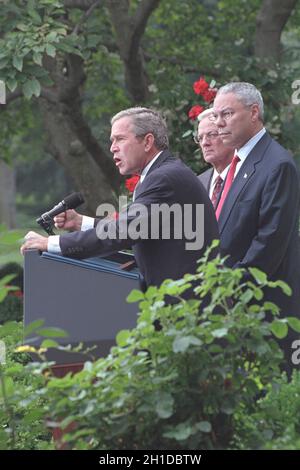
{"points": [[205, 141], [113, 147], [219, 121]]}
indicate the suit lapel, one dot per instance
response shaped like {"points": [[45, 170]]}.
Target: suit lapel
{"points": [[165, 155], [206, 178], [243, 178]]}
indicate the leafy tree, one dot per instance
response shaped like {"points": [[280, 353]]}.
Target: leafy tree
{"points": [[80, 61]]}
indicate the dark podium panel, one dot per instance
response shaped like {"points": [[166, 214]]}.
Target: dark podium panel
{"points": [[86, 298]]}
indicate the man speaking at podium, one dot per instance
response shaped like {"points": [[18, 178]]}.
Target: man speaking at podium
{"points": [[168, 191]]}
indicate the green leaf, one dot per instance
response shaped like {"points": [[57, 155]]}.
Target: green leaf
{"points": [[36, 87], [11, 84], [34, 15], [181, 432], [283, 285], [164, 407], [204, 426], [135, 296], [279, 328], [8, 385], [187, 134], [181, 344], [18, 63], [33, 326], [50, 50], [27, 89], [8, 329], [294, 323], [259, 276], [219, 333], [6, 279], [52, 332], [49, 343], [122, 338], [37, 58]]}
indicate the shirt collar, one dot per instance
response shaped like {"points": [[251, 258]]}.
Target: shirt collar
{"points": [[223, 175], [148, 166], [244, 151]]}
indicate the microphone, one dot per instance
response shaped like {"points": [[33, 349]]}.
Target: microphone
{"points": [[69, 202]]}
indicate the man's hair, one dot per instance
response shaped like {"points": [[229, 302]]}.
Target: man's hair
{"points": [[246, 93], [144, 121], [205, 114]]}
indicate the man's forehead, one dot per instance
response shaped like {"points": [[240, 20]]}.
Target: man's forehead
{"points": [[225, 100], [206, 125], [123, 124]]}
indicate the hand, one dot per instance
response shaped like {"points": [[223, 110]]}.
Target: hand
{"points": [[69, 220], [34, 240]]}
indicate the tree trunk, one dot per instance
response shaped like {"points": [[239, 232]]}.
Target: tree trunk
{"points": [[7, 195], [70, 139], [64, 144], [270, 22]]}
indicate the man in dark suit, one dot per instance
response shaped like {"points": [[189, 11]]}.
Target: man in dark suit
{"points": [[258, 212], [139, 144], [215, 153]]}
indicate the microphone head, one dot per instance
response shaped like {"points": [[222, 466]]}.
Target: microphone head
{"points": [[73, 200]]}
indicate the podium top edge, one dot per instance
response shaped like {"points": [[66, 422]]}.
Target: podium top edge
{"points": [[101, 264]]}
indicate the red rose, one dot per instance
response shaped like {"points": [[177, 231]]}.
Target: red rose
{"points": [[200, 86], [209, 95], [195, 111], [131, 183]]}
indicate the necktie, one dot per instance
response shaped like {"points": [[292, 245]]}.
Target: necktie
{"points": [[228, 183], [216, 192]]}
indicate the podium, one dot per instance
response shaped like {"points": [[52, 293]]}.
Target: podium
{"points": [[86, 298]]}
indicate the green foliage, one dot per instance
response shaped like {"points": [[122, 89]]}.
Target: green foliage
{"points": [[11, 309], [275, 423], [179, 387], [32, 29], [21, 416], [192, 383]]}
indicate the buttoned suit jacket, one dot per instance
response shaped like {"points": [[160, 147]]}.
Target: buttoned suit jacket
{"points": [[168, 181], [259, 221]]}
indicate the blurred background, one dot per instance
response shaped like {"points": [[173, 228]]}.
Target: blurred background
{"points": [[68, 66]]}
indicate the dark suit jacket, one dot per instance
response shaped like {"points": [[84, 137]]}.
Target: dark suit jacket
{"points": [[206, 177], [168, 181], [259, 221]]}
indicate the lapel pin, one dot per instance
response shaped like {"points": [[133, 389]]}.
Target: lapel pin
{"points": [[245, 175]]}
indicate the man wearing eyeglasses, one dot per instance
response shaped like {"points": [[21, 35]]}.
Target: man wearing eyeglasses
{"points": [[215, 153], [258, 212]]}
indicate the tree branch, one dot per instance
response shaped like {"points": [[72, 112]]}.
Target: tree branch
{"points": [[270, 22], [143, 12], [86, 15]]}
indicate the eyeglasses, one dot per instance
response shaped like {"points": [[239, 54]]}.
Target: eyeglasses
{"points": [[224, 115], [198, 139]]}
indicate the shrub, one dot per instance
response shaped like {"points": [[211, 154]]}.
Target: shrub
{"points": [[275, 423], [181, 387]]}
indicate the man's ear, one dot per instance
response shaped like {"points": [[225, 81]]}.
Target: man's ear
{"points": [[149, 141], [255, 112]]}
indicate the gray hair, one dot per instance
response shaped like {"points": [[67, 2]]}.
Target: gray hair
{"points": [[144, 121], [205, 114], [246, 93]]}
